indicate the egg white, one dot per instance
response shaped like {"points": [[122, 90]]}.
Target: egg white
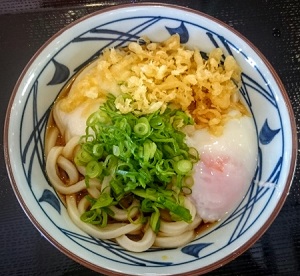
{"points": [[226, 167], [73, 123]]}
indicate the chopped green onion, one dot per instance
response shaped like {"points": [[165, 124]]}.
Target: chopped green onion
{"points": [[116, 150], [142, 128], [183, 167], [98, 150], [146, 158], [193, 155], [157, 122], [89, 216], [178, 210], [129, 215], [104, 200], [94, 169], [155, 220], [83, 157]]}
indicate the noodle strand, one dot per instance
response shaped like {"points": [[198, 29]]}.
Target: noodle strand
{"points": [[137, 246]]}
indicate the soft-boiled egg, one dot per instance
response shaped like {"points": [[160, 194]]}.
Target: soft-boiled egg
{"points": [[226, 167]]}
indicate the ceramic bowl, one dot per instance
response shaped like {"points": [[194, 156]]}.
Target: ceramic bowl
{"points": [[73, 47]]}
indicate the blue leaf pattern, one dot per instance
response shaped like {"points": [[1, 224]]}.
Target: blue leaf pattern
{"points": [[182, 31], [267, 134], [51, 199], [61, 73], [194, 249]]}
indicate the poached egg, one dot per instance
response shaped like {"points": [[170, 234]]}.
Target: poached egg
{"points": [[226, 167]]}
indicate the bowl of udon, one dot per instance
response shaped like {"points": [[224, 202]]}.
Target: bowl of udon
{"points": [[150, 139]]}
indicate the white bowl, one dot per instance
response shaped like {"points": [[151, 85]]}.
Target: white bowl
{"points": [[55, 63]]}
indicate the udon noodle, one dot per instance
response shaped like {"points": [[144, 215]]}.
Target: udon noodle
{"points": [[144, 78]]}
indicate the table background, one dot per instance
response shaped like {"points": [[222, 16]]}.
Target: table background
{"points": [[272, 26]]}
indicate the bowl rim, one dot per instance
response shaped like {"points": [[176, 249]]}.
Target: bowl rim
{"points": [[278, 81]]}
